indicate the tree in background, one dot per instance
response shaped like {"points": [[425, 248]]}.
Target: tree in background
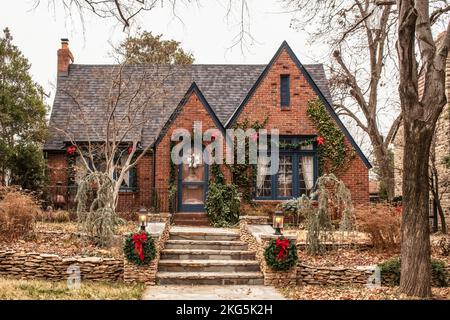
{"points": [[22, 119], [361, 37], [419, 55], [145, 48]]}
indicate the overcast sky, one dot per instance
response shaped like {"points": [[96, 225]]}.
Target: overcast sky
{"points": [[204, 31]]}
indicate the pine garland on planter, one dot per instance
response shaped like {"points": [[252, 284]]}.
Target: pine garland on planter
{"points": [[139, 248], [281, 254]]}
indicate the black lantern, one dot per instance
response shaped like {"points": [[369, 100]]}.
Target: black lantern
{"points": [[278, 220], [143, 218]]}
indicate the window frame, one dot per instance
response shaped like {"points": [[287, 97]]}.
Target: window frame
{"points": [[285, 94], [296, 156]]}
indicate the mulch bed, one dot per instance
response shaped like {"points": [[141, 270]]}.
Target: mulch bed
{"points": [[65, 239], [310, 292]]}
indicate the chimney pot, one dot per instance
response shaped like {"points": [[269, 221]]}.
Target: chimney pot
{"points": [[65, 57]]}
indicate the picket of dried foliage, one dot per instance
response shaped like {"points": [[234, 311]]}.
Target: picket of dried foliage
{"points": [[18, 212], [382, 222]]}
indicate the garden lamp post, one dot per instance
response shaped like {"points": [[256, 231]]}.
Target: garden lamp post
{"points": [[278, 220], [143, 218]]}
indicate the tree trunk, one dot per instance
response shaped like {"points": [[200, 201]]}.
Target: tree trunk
{"points": [[386, 170], [415, 277], [442, 217]]}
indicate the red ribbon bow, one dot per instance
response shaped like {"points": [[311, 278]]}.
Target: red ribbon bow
{"points": [[320, 140], [71, 150], [282, 246], [139, 239]]}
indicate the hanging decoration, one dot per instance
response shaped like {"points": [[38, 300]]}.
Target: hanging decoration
{"points": [[71, 150], [281, 254], [139, 248]]}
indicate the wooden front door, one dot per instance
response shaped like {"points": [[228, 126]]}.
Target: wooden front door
{"points": [[192, 183]]}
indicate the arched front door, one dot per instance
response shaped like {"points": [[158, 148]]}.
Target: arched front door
{"points": [[192, 183]]}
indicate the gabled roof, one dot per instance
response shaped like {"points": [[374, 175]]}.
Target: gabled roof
{"points": [[225, 91], [193, 89], [316, 85]]}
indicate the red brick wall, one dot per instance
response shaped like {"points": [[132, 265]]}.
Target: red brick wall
{"points": [[192, 111], [57, 166], [295, 121]]}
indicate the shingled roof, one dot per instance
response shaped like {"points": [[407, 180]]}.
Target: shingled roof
{"points": [[224, 86]]}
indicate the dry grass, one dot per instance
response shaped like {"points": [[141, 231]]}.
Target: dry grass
{"points": [[18, 213], [13, 289]]}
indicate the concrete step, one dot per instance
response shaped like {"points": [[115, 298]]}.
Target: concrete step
{"points": [[208, 266], [195, 254], [195, 234], [210, 278], [206, 244], [190, 222]]}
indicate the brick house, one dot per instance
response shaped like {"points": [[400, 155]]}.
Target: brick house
{"points": [[440, 148], [219, 96]]}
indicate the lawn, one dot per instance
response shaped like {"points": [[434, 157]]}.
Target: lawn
{"points": [[13, 289]]}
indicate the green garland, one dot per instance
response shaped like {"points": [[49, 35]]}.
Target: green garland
{"points": [[244, 175], [287, 261], [334, 155], [132, 255]]}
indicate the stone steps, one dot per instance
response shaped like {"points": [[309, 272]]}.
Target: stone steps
{"points": [[210, 278], [208, 266], [191, 219], [204, 235], [206, 244], [195, 254], [207, 256]]}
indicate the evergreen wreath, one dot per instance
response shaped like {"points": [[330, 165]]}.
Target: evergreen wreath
{"points": [[281, 254], [139, 248]]}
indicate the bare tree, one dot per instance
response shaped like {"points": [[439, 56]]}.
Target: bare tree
{"points": [[361, 36], [111, 134], [438, 186], [420, 114]]}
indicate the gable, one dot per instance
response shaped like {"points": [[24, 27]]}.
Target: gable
{"points": [[291, 120], [192, 92]]}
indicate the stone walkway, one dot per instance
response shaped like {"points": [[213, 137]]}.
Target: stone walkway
{"points": [[211, 292]]}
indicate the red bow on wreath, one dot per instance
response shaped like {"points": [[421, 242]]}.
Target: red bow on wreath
{"points": [[282, 246], [139, 239], [320, 140], [71, 150]]}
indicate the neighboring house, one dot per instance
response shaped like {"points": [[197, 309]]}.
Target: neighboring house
{"points": [[219, 96], [440, 147], [374, 190]]}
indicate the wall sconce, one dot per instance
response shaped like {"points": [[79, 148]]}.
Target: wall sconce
{"points": [[278, 221], [143, 218]]}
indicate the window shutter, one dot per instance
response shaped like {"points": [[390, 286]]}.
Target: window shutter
{"points": [[285, 90]]}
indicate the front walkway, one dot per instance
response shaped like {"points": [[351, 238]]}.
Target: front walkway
{"points": [[212, 292]]}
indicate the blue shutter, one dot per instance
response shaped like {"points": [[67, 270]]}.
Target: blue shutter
{"points": [[285, 90]]}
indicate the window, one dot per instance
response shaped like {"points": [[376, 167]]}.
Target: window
{"points": [[285, 90], [296, 175], [129, 181]]}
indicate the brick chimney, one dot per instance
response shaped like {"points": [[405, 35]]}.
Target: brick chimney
{"points": [[65, 57]]}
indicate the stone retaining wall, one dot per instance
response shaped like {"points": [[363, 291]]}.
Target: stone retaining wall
{"points": [[147, 274], [258, 244], [35, 265]]}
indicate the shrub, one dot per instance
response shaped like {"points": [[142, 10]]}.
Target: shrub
{"points": [[440, 244], [222, 204], [223, 200], [54, 216], [18, 212], [382, 223], [393, 267]]}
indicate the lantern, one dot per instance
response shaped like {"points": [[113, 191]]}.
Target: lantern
{"points": [[278, 220], [143, 218]]}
